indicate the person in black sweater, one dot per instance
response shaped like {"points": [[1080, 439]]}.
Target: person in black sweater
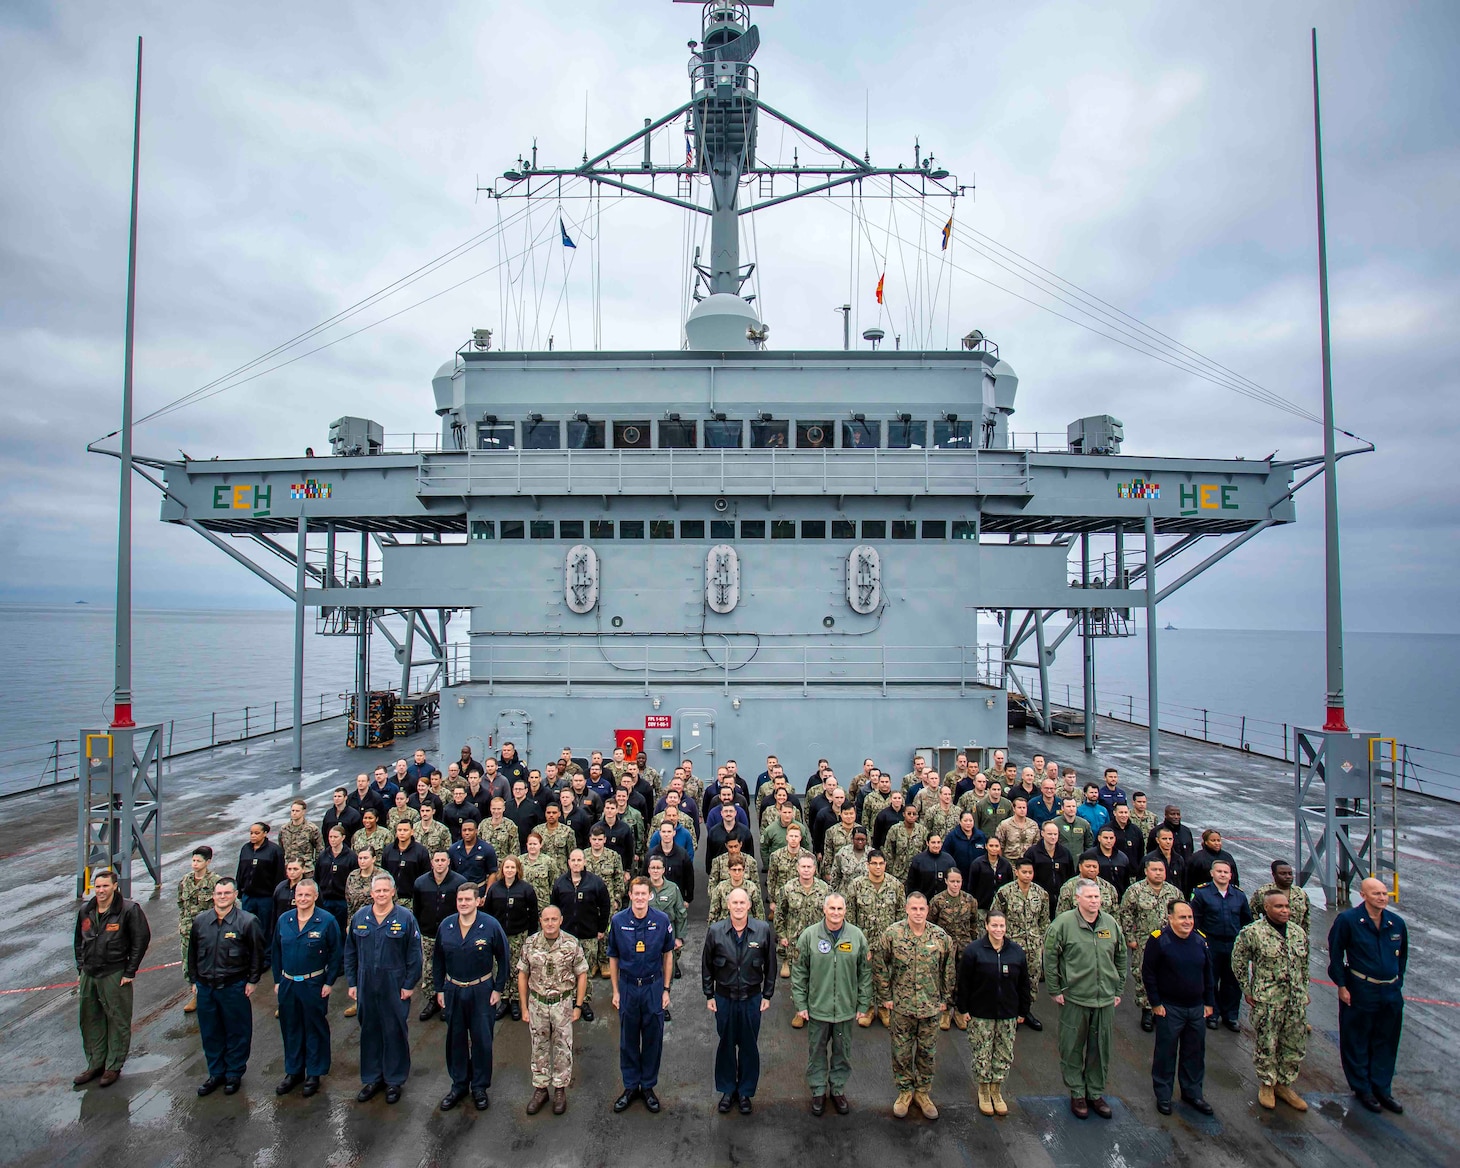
{"points": [[617, 834], [987, 875], [331, 870], [994, 992], [1180, 982], [725, 828], [1199, 866], [678, 867], [407, 861], [1053, 864], [1180, 836], [523, 810], [1128, 838], [340, 812], [928, 872], [260, 868], [459, 809], [365, 795], [1113, 863], [577, 816], [433, 899], [885, 819], [513, 902], [583, 899]]}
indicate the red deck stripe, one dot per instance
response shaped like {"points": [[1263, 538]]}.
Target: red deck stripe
{"points": [[66, 985]]}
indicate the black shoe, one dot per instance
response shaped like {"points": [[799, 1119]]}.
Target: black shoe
{"points": [[231, 1086], [744, 1105], [369, 1092], [818, 1104], [452, 1098], [1148, 1021], [651, 1101], [677, 974], [668, 1017], [1163, 1106], [1233, 1025], [587, 1012], [1389, 1103], [1370, 1103], [209, 1085], [1033, 1023], [504, 1011], [725, 1104], [431, 1010], [481, 1101], [311, 1086], [1197, 1104], [621, 1104], [516, 1011], [840, 1103], [1213, 1022], [288, 1083], [392, 1094]]}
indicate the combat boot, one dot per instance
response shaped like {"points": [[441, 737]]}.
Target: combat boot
{"points": [[899, 1108], [925, 1104], [785, 969], [945, 1023], [1265, 1096], [997, 1096], [884, 1015], [960, 1020], [985, 1099], [797, 1022], [1290, 1097], [864, 1020]]}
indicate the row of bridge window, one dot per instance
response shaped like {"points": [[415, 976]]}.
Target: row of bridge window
{"points": [[723, 529]]}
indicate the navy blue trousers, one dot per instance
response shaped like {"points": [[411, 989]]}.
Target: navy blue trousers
{"points": [[470, 1020], [305, 1026], [1368, 1038], [340, 911], [225, 1024], [737, 1059], [640, 1033], [1229, 993], [1181, 1045], [385, 1046], [263, 908]]}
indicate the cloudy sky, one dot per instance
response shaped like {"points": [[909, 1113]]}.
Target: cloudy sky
{"points": [[297, 158]]}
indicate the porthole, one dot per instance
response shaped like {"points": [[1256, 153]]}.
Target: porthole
{"points": [[828, 621], [617, 622]]}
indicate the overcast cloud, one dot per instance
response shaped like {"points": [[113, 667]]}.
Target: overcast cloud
{"points": [[298, 157]]}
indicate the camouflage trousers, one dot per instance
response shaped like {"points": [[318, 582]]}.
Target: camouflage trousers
{"points": [[187, 973], [914, 1051], [552, 1041], [991, 1042], [1034, 955], [514, 955], [428, 964], [1137, 959], [1280, 1040]]}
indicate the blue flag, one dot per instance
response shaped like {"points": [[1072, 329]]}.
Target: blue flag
{"points": [[567, 239]]}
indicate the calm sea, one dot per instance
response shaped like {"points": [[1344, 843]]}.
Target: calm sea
{"points": [[189, 664]]}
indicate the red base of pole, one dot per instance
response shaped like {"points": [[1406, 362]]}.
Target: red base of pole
{"points": [[1335, 719], [122, 717]]}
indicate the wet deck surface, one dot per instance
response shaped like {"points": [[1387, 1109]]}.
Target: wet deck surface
{"points": [[152, 1116]]}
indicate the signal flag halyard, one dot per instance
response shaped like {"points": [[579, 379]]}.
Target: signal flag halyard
{"points": [[881, 280], [567, 239]]}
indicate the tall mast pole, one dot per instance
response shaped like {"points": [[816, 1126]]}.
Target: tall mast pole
{"points": [[1333, 592], [122, 688]]}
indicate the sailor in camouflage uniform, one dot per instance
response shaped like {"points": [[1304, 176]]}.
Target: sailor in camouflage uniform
{"points": [[1146, 821], [540, 869], [373, 835], [913, 979], [1016, 834], [1299, 911], [874, 902], [782, 865], [435, 836], [938, 815], [552, 979], [299, 839], [876, 800], [1270, 961], [798, 906], [1089, 870], [1025, 906], [1142, 911], [957, 914], [904, 841], [720, 869], [608, 866], [850, 863], [357, 883], [838, 836], [557, 837], [194, 894]]}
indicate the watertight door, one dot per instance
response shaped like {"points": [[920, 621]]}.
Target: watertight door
{"points": [[697, 739]]}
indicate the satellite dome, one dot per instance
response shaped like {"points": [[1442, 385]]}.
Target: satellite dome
{"points": [[719, 323], [442, 385]]}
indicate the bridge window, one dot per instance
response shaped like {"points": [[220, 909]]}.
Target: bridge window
{"points": [[494, 436], [631, 435], [677, 435], [722, 529], [541, 528], [935, 529], [691, 529], [843, 529], [965, 529], [484, 529], [769, 435], [861, 435], [813, 529], [752, 529], [726, 435], [585, 435], [600, 529], [814, 435], [907, 435], [542, 435], [570, 529], [661, 529], [631, 529], [952, 435], [904, 529], [874, 529], [783, 529], [513, 529]]}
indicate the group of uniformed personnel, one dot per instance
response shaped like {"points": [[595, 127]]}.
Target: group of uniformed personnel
{"points": [[503, 890]]}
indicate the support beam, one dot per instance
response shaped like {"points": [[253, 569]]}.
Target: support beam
{"points": [[234, 553], [1222, 552], [300, 567], [1043, 669], [1088, 646], [1153, 716], [409, 647]]}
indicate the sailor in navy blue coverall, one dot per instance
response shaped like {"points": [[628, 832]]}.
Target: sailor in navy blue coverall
{"points": [[640, 963], [308, 954], [382, 966], [470, 972], [1368, 950]]}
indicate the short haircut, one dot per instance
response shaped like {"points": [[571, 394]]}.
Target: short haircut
{"points": [[1103, 830], [875, 854], [657, 857], [992, 913], [1207, 833], [1137, 794], [915, 895], [1083, 882], [598, 831], [1221, 864], [1024, 799], [104, 874], [384, 877], [223, 882], [1155, 860], [203, 850], [469, 819], [342, 791], [443, 852], [299, 803], [640, 882], [1271, 892], [1173, 905], [860, 830], [1276, 864], [1111, 771], [310, 881], [736, 862], [1021, 862], [831, 896]]}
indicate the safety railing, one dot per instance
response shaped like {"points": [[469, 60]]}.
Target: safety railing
{"points": [[1054, 442], [37, 766], [651, 660], [416, 443], [713, 472]]}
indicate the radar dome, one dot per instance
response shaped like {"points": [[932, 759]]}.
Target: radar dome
{"points": [[443, 387], [719, 323]]}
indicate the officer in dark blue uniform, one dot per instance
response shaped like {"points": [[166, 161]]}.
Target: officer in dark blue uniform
{"points": [[1181, 985], [1368, 951], [308, 955], [1222, 911], [382, 966], [472, 857], [640, 965], [471, 968]]}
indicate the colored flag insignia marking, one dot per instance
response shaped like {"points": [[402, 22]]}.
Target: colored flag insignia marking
{"points": [[310, 489], [1138, 489]]}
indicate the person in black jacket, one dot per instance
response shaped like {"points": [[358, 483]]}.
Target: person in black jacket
{"points": [[433, 900], [994, 992], [725, 826], [928, 872], [987, 875], [1114, 866], [260, 869], [523, 810], [461, 808], [226, 955], [738, 975], [1129, 839], [1053, 864], [407, 861], [365, 796], [1181, 986], [1222, 911], [111, 939], [583, 899], [1180, 836], [513, 901], [964, 844], [1165, 850], [510, 767], [678, 867], [331, 869], [578, 816], [1199, 865], [340, 812], [617, 835]]}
